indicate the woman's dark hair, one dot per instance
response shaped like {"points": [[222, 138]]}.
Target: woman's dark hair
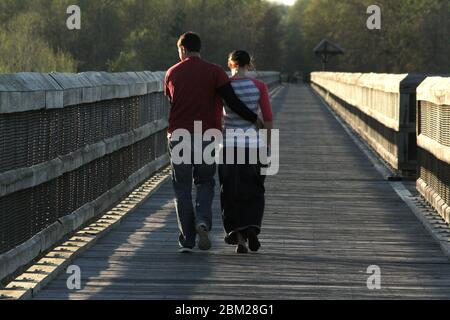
{"points": [[241, 58], [190, 41]]}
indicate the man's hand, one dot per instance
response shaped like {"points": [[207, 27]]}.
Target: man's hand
{"points": [[260, 123]]}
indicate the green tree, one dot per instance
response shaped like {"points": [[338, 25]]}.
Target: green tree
{"points": [[120, 35], [22, 50]]}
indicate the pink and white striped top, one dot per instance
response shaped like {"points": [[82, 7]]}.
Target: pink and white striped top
{"points": [[255, 94]]}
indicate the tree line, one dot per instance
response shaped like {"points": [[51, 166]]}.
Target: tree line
{"points": [[125, 35]]}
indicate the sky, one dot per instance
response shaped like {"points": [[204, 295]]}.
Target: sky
{"points": [[288, 2]]}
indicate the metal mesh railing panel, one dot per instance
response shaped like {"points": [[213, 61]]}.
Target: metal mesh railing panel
{"points": [[435, 122], [29, 211], [30, 138], [435, 173]]}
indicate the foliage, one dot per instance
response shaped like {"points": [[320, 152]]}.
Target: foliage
{"points": [[22, 50], [124, 35], [415, 35]]}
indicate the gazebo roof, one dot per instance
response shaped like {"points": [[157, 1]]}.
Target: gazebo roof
{"points": [[328, 47]]}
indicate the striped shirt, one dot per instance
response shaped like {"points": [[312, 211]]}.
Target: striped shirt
{"points": [[255, 95]]}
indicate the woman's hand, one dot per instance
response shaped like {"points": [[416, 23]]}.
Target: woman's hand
{"points": [[260, 123]]}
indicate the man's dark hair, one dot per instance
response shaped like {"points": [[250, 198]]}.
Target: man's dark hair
{"points": [[190, 41]]}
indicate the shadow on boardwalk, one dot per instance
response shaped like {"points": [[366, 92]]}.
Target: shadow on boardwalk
{"points": [[329, 216]]}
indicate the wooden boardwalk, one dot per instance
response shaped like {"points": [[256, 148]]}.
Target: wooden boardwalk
{"points": [[329, 216]]}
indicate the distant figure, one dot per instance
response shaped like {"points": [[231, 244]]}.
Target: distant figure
{"points": [[195, 89], [242, 184]]}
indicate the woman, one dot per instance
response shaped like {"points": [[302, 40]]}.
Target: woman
{"points": [[242, 184]]}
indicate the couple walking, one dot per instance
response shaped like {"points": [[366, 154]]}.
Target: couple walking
{"points": [[202, 92]]}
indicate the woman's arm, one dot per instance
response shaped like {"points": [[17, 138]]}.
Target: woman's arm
{"points": [[266, 109]]}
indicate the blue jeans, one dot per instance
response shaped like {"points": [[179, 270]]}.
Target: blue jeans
{"points": [[182, 177]]}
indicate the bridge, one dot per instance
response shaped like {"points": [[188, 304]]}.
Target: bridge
{"points": [[362, 192]]}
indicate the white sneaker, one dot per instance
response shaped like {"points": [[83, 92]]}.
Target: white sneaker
{"points": [[203, 242], [186, 250]]}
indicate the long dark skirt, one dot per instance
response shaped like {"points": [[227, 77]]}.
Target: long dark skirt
{"points": [[242, 196]]}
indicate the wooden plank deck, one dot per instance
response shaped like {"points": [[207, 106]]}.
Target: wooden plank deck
{"points": [[329, 216]]}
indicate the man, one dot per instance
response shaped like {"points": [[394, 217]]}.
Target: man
{"points": [[195, 89]]}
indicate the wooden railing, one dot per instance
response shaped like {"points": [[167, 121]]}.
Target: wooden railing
{"points": [[433, 139], [71, 145]]}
